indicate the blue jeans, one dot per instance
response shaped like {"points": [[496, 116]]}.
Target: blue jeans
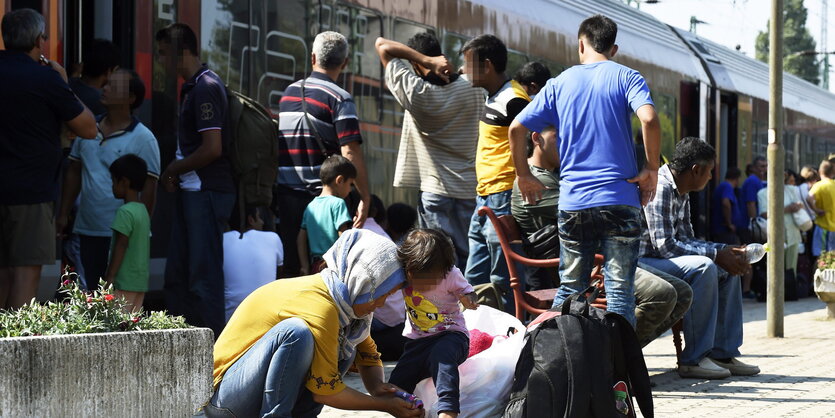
{"points": [[268, 380], [437, 357], [486, 262], [450, 215], [822, 241], [194, 269], [713, 325], [614, 231]]}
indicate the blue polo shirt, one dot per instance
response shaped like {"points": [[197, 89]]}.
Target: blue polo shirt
{"points": [[591, 107], [97, 206], [34, 103], [726, 191], [750, 187], [203, 107]]}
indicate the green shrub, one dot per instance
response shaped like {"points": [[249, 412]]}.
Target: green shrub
{"points": [[79, 312]]}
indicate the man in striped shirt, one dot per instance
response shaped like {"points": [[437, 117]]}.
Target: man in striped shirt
{"points": [[439, 136], [328, 126]]}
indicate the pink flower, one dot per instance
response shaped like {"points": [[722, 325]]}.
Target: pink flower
{"points": [[66, 282], [135, 319], [108, 297], [89, 299]]}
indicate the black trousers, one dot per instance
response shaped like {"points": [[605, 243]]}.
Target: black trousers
{"points": [[289, 206], [95, 252]]}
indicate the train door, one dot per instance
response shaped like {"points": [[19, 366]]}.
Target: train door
{"points": [[86, 20], [728, 145]]}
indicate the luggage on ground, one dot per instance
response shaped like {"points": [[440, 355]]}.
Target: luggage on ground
{"points": [[585, 362]]}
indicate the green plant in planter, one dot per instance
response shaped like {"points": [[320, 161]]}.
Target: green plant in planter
{"points": [[826, 261], [80, 312]]}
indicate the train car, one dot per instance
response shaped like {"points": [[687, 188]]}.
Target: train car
{"points": [[738, 112], [259, 47]]}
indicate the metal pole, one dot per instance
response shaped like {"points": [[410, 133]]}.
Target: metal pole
{"points": [[776, 269]]}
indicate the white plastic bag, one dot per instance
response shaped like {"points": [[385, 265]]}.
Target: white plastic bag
{"points": [[486, 377], [491, 321]]}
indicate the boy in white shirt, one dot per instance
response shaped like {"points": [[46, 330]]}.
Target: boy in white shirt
{"points": [[250, 259]]}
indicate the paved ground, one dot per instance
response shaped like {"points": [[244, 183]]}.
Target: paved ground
{"points": [[797, 379]]}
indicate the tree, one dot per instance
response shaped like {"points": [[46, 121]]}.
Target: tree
{"points": [[796, 38]]}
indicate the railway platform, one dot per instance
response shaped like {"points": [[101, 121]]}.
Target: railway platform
{"points": [[797, 378]]}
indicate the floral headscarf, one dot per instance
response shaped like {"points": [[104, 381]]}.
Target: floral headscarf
{"points": [[361, 266]]}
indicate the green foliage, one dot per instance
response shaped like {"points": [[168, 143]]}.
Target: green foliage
{"points": [[82, 313], [796, 38]]}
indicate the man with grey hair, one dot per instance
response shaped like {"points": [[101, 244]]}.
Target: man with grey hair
{"points": [[37, 103], [317, 119]]}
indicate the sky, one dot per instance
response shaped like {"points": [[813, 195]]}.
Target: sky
{"points": [[737, 22]]}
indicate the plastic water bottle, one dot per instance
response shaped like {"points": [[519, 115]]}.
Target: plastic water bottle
{"points": [[754, 252]]}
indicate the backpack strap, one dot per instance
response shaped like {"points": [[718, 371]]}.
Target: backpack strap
{"points": [[581, 301], [313, 127], [233, 114], [636, 366]]}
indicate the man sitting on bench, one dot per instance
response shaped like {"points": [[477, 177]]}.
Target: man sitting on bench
{"points": [[713, 331]]}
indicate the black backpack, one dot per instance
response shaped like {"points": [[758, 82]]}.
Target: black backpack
{"points": [[571, 364], [253, 151]]}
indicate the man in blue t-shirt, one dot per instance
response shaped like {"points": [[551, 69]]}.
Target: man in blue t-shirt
{"points": [[601, 190], [753, 184], [727, 217], [202, 171]]}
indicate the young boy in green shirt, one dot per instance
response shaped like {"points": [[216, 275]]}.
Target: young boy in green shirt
{"points": [[326, 217], [131, 244]]}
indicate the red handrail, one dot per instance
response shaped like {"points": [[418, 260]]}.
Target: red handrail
{"points": [[512, 257]]}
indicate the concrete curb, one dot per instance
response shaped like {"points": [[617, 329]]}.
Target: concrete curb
{"points": [[121, 374]]}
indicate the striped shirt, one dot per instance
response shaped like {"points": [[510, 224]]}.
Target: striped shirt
{"points": [[666, 223], [494, 164], [440, 132], [331, 109]]}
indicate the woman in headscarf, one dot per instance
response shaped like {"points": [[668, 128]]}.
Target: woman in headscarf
{"points": [[287, 346]]}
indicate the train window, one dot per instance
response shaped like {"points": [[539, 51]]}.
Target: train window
{"points": [[228, 43], [760, 142], [555, 68], [451, 47], [788, 145], [404, 29], [665, 107], [364, 75], [515, 61]]}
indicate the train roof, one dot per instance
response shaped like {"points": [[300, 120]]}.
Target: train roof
{"points": [[736, 72], [641, 36]]}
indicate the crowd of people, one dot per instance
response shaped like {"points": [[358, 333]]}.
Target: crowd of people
{"points": [[556, 153]]}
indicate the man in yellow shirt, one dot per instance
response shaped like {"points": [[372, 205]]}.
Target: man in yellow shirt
{"points": [[485, 61], [287, 346], [822, 198]]}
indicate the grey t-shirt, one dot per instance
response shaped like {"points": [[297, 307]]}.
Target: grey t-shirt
{"points": [[533, 217]]}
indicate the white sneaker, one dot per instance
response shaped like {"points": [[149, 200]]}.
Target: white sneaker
{"points": [[738, 368], [706, 369]]}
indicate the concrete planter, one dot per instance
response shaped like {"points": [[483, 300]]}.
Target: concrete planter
{"points": [[164, 373], [825, 289]]}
